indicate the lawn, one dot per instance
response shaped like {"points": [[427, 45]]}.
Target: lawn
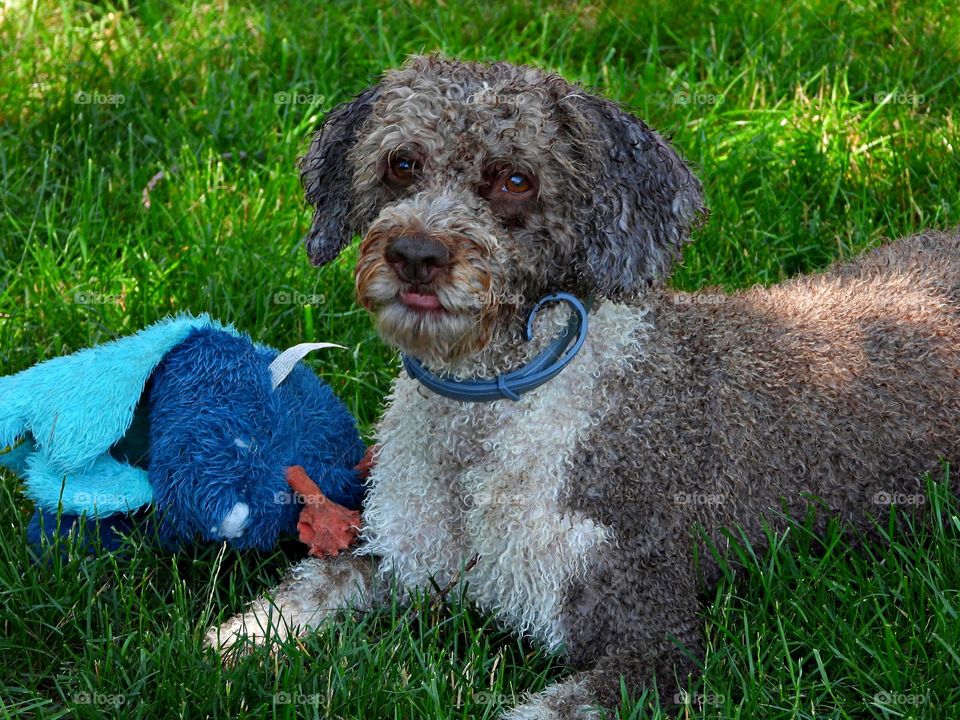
{"points": [[819, 129]]}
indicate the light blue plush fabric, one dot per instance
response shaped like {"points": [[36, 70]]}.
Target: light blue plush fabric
{"points": [[70, 410]]}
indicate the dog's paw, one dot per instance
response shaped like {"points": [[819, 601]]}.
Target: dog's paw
{"points": [[310, 592], [259, 626], [565, 700]]}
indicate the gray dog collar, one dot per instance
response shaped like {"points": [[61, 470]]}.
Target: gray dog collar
{"points": [[510, 386]]}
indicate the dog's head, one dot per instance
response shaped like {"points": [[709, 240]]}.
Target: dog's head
{"points": [[479, 188]]}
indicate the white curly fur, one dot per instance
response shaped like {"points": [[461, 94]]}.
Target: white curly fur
{"points": [[456, 479]]}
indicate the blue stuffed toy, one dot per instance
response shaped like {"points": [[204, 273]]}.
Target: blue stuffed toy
{"points": [[221, 438]]}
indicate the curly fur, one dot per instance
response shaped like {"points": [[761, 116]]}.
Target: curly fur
{"points": [[680, 412]]}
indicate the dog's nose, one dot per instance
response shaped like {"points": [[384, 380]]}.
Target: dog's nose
{"points": [[417, 259]]}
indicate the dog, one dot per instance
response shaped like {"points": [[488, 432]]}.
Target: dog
{"points": [[587, 503]]}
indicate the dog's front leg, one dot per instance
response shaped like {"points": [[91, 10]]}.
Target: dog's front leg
{"points": [[309, 593]]}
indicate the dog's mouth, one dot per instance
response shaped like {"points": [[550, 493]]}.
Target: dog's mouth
{"points": [[435, 324], [425, 302], [423, 325]]}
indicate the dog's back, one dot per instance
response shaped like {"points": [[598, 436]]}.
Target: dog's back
{"points": [[844, 385], [847, 383]]}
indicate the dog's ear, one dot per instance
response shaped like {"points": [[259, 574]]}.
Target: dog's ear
{"points": [[645, 200], [327, 178]]}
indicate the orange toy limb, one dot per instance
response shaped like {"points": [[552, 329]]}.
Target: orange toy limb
{"points": [[364, 467], [324, 527]]}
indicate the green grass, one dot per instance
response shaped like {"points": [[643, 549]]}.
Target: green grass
{"points": [[819, 128]]}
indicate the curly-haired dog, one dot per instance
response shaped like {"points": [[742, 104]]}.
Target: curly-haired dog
{"points": [[478, 189]]}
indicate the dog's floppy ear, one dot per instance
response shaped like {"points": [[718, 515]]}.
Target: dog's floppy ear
{"points": [[645, 201], [327, 178]]}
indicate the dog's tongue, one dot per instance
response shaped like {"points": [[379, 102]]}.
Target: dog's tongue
{"points": [[420, 302]]}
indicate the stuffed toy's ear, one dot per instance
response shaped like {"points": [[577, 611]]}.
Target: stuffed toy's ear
{"points": [[646, 200], [327, 177]]}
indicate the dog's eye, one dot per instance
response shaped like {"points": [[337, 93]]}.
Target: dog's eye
{"points": [[403, 170], [517, 183]]}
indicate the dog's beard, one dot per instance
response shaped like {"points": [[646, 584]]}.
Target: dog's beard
{"points": [[435, 337]]}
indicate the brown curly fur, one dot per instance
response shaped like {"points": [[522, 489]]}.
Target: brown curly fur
{"points": [[842, 387]]}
